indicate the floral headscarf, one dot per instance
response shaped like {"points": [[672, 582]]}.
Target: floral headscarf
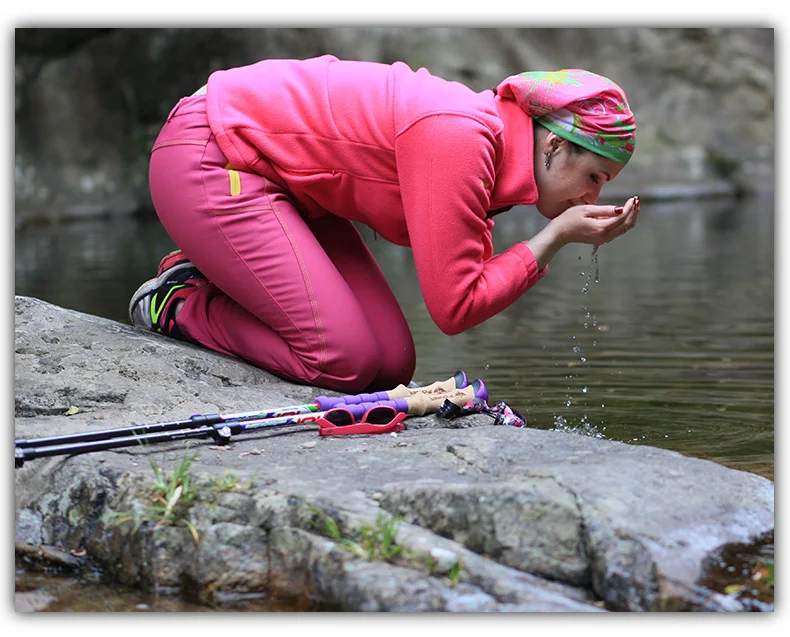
{"points": [[579, 106]]}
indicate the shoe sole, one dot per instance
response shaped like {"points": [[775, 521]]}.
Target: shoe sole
{"points": [[152, 284]]}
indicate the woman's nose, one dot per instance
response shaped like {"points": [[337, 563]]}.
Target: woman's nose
{"points": [[590, 198]]}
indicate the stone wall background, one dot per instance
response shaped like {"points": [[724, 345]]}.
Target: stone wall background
{"points": [[89, 102]]}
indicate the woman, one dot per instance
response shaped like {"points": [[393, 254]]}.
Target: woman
{"points": [[258, 176]]}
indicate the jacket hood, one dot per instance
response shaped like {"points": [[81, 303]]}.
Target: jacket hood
{"points": [[515, 175]]}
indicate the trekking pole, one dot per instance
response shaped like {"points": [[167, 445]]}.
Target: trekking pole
{"points": [[458, 381], [222, 431]]}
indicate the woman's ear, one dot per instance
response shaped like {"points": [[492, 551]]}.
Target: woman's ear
{"points": [[547, 144], [554, 142]]}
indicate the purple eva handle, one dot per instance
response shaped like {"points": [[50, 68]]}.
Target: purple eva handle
{"points": [[327, 402]]}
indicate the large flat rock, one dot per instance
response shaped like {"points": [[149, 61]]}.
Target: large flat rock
{"points": [[490, 518]]}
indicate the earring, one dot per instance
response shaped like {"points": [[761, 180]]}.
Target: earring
{"points": [[548, 156]]}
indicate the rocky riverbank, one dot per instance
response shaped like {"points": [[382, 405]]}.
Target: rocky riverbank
{"points": [[457, 516]]}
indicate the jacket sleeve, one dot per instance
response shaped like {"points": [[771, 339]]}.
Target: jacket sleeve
{"points": [[446, 169]]}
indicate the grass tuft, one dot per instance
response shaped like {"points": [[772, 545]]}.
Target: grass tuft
{"points": [[378, 542], [168, 499]]}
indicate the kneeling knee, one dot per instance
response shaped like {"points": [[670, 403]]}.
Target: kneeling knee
{"points": [[351, 371], [396, 367]]}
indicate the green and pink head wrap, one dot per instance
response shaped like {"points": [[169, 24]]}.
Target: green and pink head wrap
{"points": [[582, 107]]}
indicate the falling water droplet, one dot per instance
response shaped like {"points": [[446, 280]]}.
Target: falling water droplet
{"points": [[593, 272], [595, 261]]}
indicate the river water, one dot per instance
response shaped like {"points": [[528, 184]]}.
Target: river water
{"points": [[670, 345]]}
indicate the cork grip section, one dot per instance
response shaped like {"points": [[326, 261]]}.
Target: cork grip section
{"points": [[439, 387], [421, 403]]}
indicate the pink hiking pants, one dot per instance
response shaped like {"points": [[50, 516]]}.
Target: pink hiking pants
{"points": [[303, 299]]}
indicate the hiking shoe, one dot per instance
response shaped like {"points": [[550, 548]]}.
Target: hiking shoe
{"points": [[153, 305]]}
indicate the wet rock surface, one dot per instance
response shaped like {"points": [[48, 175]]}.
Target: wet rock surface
{"points": [[488, 518]]}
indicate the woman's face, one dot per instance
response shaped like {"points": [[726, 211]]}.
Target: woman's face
{"points": [[572, 178]]}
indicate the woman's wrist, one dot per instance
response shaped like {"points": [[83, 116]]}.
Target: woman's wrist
{"points": [[546, 243]]}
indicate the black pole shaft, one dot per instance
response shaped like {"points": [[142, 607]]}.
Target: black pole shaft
{"points": [[22, 454], [120, 432], [221, 432]]}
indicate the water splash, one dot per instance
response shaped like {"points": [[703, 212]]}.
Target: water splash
{"points": [[584, 427]]}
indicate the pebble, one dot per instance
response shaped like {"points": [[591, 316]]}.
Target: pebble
{"points": [[444, 559]]}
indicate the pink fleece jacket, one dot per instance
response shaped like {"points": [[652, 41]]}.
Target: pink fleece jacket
{"points": [[417, 158]]}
